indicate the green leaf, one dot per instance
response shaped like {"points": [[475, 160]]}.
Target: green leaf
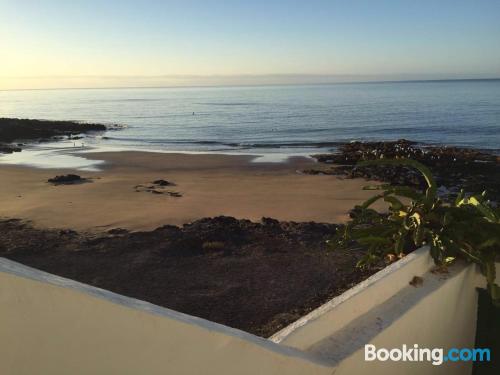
{"points": [[494, 290], [460, 196], [372, 200], [475, 202], [426, 172], [396, 204]]}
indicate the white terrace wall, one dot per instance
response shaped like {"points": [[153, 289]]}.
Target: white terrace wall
{"points": [[50, 325], [386, 311], [439, 314]]}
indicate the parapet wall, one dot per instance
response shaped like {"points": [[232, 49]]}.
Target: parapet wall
{"points": [[438, 311], [51, 325]]}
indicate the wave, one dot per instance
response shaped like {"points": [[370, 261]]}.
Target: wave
{"points": [[124, 100], [228, 103], [290, 144]]}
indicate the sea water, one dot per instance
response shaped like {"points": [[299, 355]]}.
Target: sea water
{"points": [[271, 120]]}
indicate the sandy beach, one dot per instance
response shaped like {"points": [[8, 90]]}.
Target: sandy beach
{"points": [[210, 185]]}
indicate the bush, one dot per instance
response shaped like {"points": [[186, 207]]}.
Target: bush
{"points": [[467, 228]]}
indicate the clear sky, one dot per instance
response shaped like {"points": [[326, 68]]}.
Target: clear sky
{"points": [[98, 43]]}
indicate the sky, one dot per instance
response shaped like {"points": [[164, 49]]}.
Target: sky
{"points": [[98, 43]]}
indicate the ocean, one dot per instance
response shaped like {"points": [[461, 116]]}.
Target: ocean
{"points": [[273, 120]]}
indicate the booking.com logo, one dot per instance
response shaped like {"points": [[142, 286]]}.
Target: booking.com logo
{"points": [[436, 356]]}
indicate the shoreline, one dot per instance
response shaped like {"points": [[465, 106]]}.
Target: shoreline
{"points": [[119, 193], [58, 153]]}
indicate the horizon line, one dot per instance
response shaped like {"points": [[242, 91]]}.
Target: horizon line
{"points": [[243, 84]]}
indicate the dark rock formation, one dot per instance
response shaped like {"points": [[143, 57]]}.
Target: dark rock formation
{"points": [[453, 167], [68, 179], [163, 183], [13, 129]]}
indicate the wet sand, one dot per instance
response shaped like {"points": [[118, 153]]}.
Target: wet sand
{"points": [[210, 185]]}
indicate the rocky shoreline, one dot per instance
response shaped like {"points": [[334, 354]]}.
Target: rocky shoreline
{"points": [[453, 167], [22, 130]]}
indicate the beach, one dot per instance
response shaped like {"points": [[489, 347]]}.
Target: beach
{"points": [[209, 185], [228, 238]]}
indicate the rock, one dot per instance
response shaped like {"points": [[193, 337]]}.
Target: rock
{"points": [[118, 231], [8, 149], [157, 188], [416, 281], [12, 129], [452, 167], [163, 183], [443, 191], [67, 179], [269, 221]]}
